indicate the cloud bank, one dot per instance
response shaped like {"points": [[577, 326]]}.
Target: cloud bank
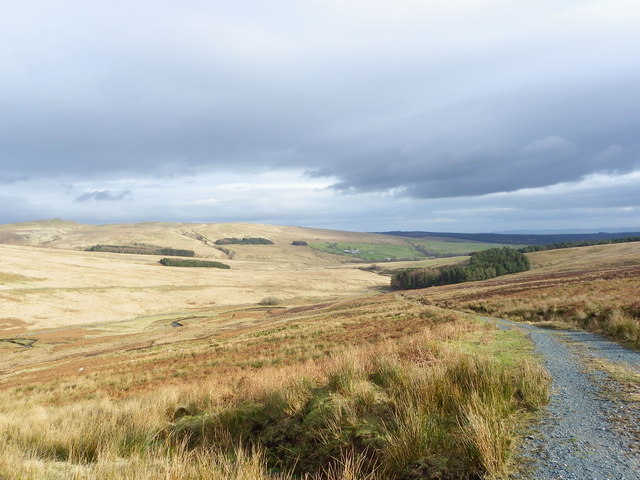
{"points": [[397, 106]]}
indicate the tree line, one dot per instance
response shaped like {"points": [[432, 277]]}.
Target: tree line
{"points": [[142, 249], [482, 265], [582, 243], [244, 241], [174, 262]]}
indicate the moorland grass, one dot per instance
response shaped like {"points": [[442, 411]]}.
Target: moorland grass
{"points": [[14, 278], [616, 317], [415, 406], [370, 388]]}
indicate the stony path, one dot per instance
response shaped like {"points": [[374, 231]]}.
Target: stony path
{"points": [[596, 346], [577, 438]]}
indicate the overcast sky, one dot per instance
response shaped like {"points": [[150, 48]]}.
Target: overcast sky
{"points": [[465, 115]]}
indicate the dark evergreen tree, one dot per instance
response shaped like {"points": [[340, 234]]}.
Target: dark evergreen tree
{"points": [[482, 265], [174, 262]]}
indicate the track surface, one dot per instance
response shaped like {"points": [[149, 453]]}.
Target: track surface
{"points": [[582, 434]]}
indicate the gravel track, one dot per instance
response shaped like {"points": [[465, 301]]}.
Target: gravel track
{"points": [[577, 438], [596, 346]]}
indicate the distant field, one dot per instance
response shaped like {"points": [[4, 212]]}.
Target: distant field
{"points": [[370, 251], [454, 248], [415, 249], [518, 238], [391, 267]]}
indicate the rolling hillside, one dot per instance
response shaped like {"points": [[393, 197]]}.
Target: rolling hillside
{"points": [[117, 367], [47, 279], [342, 247]]}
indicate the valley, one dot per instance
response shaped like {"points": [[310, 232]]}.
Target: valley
{"points": [[114, 366]]}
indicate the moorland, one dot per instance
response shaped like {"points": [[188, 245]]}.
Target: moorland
{"points": [[298, 361]]}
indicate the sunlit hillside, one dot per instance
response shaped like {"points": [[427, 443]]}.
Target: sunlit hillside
{"points": [[292, 362]]}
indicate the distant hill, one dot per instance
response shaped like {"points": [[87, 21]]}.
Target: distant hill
{"points": [[516, 239], [201, 238]]}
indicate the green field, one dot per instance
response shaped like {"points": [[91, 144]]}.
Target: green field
{"points": [[454, 248], [414, 249]]}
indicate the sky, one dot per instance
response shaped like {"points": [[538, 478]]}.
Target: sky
{"points": [[459, 116]]}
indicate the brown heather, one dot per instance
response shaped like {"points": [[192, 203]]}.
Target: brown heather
{"points": [[339, 392]]}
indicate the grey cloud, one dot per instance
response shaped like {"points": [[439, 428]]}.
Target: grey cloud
{"points": [[481, 148], [11, 178], [151, 99], [551, 145], [103, 195], [18, 208], [424, 103]]}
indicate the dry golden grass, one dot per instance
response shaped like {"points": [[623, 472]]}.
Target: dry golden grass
{"points": [[195, 236], [224, 340], [48, 281], [115, 418], [52, 288]]}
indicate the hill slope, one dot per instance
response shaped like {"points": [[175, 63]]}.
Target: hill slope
{"points": [[516, 238], [328, 377], [44, 287]]}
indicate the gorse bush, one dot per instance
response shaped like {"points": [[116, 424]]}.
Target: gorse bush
{"points": [[174, 262], [482, 265]]}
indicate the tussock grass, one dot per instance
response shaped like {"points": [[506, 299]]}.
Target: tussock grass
{"points": [[177, 463], [397, 410], [382, 413], [620, 321], [395, 396], [624, 326]]}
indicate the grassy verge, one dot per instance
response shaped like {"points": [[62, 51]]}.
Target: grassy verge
{"points": [[620, 322], [508, 347]]}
